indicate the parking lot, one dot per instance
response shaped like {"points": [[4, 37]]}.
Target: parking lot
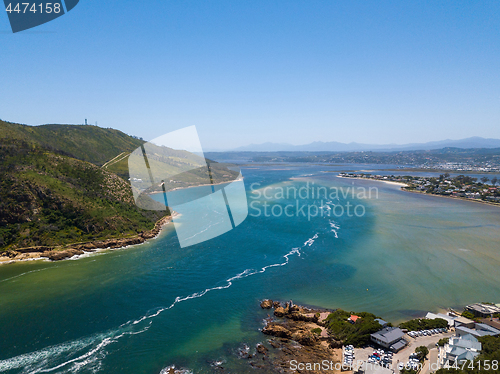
{"points": [[402, 356]]}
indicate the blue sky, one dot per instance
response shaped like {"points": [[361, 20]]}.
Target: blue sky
{"points": [[258, 71]]}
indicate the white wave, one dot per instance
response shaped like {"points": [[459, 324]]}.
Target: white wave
{"points": [[333, 225], [310, 241], [38, 361], [169, 369], [22, 274], [334, 228]]}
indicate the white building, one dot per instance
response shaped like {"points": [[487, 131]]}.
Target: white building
{"points": [[460, 349]]}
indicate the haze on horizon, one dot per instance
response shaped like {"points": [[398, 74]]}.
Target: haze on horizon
{"points": [[256, 72]]}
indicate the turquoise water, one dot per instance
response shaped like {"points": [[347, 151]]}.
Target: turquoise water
{"points": [[144, 308]]}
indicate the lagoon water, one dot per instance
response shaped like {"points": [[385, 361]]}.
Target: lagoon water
{"points": [[142, 309]]}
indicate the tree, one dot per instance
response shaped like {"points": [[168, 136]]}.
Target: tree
{"points": [[407, 371], [485, 179], [443, 341], [422, 353], [494, 181]]}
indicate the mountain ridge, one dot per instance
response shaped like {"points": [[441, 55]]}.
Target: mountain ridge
{"points": [[319, 146]]}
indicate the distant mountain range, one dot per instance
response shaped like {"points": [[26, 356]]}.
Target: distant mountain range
{"points": [[473, 142]]}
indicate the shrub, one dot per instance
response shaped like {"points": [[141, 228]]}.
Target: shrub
{"points": [[424, 324], [316, 331], [443, 341], [357, 334]]}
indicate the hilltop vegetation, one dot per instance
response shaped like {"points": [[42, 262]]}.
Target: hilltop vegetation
{"points": [[358, 333], [52, 199], [83, 142]]}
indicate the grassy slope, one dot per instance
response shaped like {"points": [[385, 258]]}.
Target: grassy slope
{"points": [[87, 143]]}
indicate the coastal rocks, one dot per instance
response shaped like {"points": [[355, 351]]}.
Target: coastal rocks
{"points": [[297, 316], [296, 337], [280, 312], [261, 349], [273, 343], [275, 329], [61, 255], [305, 337], [10, 253], [266, 304]]}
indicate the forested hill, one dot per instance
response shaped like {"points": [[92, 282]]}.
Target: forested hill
{"points": [[53, 192], [84, 142]]}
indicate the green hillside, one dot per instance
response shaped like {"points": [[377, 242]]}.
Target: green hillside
{"points": [[62, 184], [53, 199], [84, 142]]}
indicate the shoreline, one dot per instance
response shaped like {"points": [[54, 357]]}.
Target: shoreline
{"points": [[455, 198], [67, 251], [376, 180], [426, 194], [199, 185]]}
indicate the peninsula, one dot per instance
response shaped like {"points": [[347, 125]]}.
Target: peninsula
{"points": [[461, 186]]}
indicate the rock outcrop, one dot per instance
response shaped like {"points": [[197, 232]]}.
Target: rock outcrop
{"points": [[266, 304], [275, 329], [305, 337], [293, 337], [280, 312], [261, 349]]}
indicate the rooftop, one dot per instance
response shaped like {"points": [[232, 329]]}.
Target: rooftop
{"points": [[483, 308], [480, 330], [388, 334], [398, 345], [353, 318], [465, 342]]}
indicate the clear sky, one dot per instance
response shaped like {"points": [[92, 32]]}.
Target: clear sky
{"points": [[256, 71]]}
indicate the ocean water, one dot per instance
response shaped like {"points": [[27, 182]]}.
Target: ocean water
{"points": [[144, 308]]}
